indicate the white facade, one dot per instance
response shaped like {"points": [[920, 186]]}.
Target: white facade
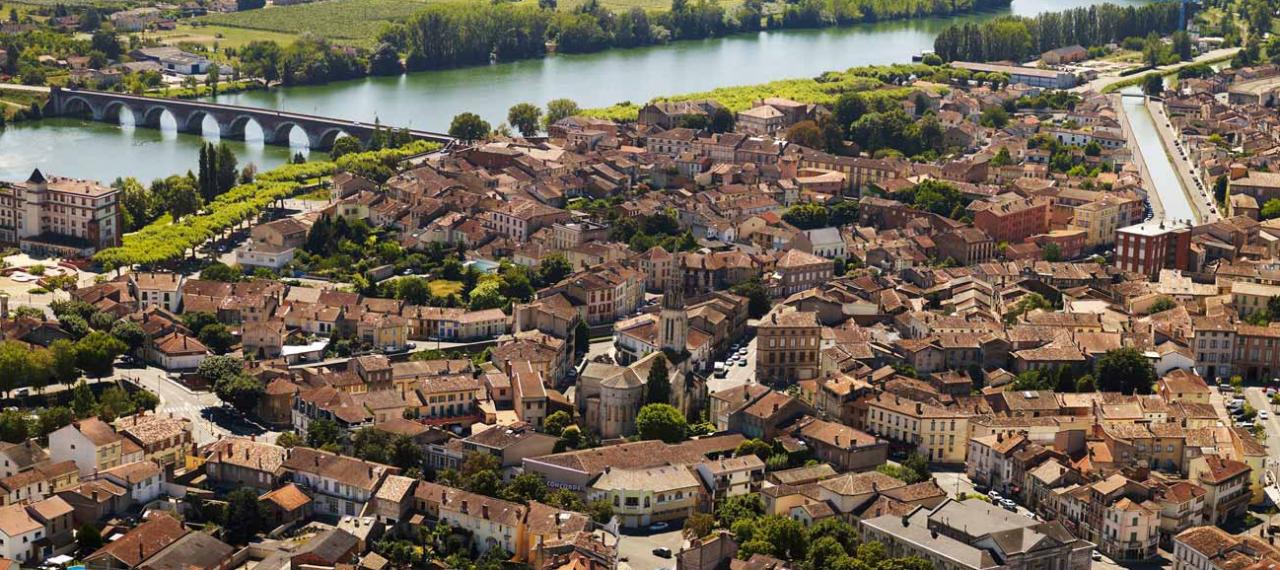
{"points": [[67, 443]]}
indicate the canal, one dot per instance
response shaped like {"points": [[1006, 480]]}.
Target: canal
{"points": [[428, 100], [1174, 198]]}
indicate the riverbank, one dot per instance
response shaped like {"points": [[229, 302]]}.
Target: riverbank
{"points": [[429, 100]]}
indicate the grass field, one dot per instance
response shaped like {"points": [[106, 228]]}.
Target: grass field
{"points": [[13, 100], [444, 287], [223, 36], [355, 22], [358, 22]]}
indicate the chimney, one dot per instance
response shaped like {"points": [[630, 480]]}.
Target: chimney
{"points": [[906, 521], [837, 440], [484, 511], [919, 408]]}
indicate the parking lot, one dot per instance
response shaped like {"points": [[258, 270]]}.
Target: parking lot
{"points": [[737, 374], [635, 549]]}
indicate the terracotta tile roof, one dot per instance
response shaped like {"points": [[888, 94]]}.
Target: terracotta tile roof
{"points": [[139, 544], [1219, 469], [288, 498], [133, 473], [346, 470], [247, 453], [15, 521], [642, 454]]}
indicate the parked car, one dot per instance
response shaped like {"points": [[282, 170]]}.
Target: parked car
{"points": [[662, 552], [659, 526], [1008, 505], [1095, 555]]}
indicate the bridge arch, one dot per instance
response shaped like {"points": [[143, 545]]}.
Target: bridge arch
{"points": [[192, 122], [80, 106], [328, 137], [279, 133], [234, 129], [112, 112], [152, 116]]}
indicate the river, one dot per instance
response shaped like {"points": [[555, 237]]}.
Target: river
{"points": [[428, 100]]}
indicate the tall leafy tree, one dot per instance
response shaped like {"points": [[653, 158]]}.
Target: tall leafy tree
{"points": [[658, 384], [525, 117]]}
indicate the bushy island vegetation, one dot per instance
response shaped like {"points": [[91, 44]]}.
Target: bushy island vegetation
{"points": [[452, 34], [1020, 38], [448, 35]]}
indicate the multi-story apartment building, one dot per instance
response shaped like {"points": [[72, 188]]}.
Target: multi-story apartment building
{"points": [[1130, 530], [1181, 508], [1213, 343], [641, 497], [59, 216], [341, 485], [731, 476], [519, 218], [859, 172], [1010, 218], [1211, 548], [237, 462], [799, 271], [1257, 352], [969, 536], [1148, 247], [939, 434], [93, 445], [1226, 486], [164, 439], [788, 345]]}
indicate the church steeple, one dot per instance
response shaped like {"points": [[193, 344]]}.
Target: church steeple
{"points": [[673, 331]]}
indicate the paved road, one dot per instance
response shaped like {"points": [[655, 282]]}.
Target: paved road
{"points": [[1257, 398], [21, 87], [1199, 194], [209, 421], [1097, 85]]}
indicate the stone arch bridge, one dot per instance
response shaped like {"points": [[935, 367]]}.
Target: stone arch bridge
{"points": [[231, 119]]}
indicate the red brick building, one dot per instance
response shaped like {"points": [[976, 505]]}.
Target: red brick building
{"points": [[1011, 219], [1148, 247]]}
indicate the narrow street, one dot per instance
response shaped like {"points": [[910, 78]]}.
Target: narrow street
{"points": [[1257, 398]]}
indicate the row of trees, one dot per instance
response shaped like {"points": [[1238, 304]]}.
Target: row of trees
{"points": [[449, 35], [97, 339], [308, 60], [1020, 38], [17, 425]]}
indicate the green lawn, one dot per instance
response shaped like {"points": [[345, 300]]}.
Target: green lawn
{"points": [[444, 287], [222, 36]]}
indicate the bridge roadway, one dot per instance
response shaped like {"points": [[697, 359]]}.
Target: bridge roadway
{"points": [[231, 119]]}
